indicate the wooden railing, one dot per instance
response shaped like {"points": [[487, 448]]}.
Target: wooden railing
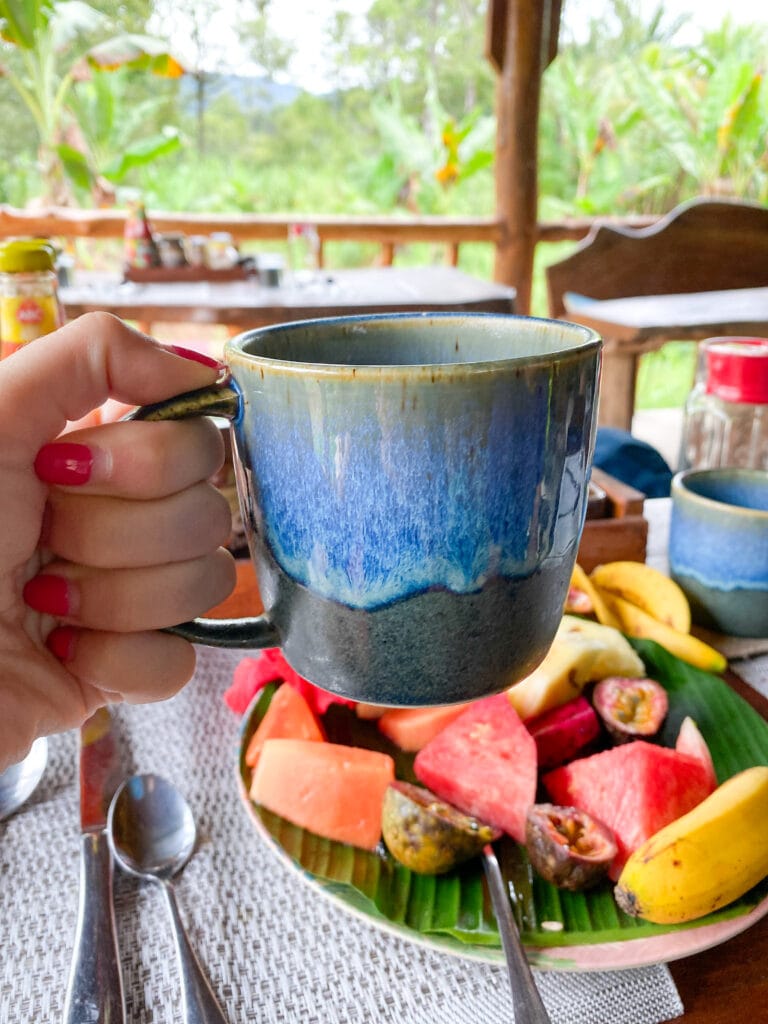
{"points": [[386, 232]]}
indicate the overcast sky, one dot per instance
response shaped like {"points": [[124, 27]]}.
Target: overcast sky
{"points": [[703, 15], [303, 22]]}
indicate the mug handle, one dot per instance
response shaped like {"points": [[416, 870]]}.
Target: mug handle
{"points": [[222, 399]]}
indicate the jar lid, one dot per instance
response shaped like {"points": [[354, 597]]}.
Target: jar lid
{"points": [[26, 255], [737, 369]]}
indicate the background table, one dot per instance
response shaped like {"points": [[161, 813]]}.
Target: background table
{"points": [[729, 982], [633, 326], [245, 304]]}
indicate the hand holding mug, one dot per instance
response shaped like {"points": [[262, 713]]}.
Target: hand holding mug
{"points": [[413, 488], [106, 535]]}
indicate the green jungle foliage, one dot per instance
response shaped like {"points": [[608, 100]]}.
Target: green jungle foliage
{"points": [[632, 121]]}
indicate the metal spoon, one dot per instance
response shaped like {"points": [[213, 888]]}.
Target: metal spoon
{"points": [[18, 783], [526, 1000], [152, 835]]}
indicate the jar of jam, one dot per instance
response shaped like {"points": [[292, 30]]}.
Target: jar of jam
{"points": [[726, 414], [222, 251], [29, 303]]}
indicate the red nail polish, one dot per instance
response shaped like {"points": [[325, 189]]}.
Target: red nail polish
{"points": [[62, 642], [195, 356], [48, 594], [64, 463]]}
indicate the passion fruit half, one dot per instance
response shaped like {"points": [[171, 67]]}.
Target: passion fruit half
{"points": [[630, 708], [567, 846], [427, 835]]}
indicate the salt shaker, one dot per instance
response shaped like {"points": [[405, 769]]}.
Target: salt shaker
{"points": [[726, 414]]}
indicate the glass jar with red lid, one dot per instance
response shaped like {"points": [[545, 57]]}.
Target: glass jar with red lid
{"points": [[726, 414]]}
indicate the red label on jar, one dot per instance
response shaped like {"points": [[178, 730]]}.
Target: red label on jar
{"points": [[29, 312]]}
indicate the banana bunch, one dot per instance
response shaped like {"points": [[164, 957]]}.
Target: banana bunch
{"points": [[643, 602], [704, 860]]}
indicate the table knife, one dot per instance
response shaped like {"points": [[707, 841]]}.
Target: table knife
{"points": [[95, 988]]}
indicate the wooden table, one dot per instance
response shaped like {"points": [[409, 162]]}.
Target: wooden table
{"points": [[730, 982], [633, 326], [245, 304]]}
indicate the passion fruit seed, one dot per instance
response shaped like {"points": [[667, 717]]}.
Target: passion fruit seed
{"points": [[630, 707], [567, 846]]}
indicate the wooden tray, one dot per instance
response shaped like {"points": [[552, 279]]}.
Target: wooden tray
{"points": [[169, 275], [615, 528]]}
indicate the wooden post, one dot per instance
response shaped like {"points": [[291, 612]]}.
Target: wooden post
{"points": [[522, 39]]}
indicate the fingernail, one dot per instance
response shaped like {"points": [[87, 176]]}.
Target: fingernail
{"points": [[52, 595], [62, 642], [195, 356], [64, 463]]}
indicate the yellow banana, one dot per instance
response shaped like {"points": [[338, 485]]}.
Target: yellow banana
{"points": [[704, 860], [647, 588], [635, 622], [582, 652], [580, 581]]}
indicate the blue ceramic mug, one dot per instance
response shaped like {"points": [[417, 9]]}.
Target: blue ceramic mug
{"points": [[413, 488], [718, 547]]}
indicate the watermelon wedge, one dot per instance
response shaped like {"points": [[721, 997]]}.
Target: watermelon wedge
{"points": [[691, 742], [635, 789], [484, 763]]}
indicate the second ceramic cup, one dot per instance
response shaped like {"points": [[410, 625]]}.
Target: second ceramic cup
{"points": [[718, 547]]}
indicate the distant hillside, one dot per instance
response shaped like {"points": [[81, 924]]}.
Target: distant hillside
{"points": [[248, 91]]}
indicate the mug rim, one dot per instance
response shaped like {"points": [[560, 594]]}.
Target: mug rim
{"points": [[591, 340], [680, 487]]}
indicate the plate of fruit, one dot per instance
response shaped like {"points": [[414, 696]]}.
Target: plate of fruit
{"points": [[624, 789]]}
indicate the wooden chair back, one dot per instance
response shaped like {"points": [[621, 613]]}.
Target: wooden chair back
{"points": [[702, 245]]}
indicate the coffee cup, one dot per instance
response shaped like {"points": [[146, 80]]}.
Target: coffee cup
{"points": [[413, 488], [718, 547]]}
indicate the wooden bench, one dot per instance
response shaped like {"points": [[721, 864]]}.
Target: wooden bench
{"points": [[643, 287]]}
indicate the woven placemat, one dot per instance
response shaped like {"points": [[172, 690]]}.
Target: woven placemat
{"points": [[273, 949]]}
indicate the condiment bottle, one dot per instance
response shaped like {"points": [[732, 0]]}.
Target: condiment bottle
{"points": [[140, 247], [29, 303], [303, 251], [222, 251], [726, 414]]}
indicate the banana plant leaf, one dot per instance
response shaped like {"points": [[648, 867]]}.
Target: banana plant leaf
{"points": [[136, 51], [21, 19], [142, 152], [453, 911]]}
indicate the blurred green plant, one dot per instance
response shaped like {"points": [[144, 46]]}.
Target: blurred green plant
{"points": [[665, 377], [113, 134], [706, 112], [422, 158], [47, 45]]}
